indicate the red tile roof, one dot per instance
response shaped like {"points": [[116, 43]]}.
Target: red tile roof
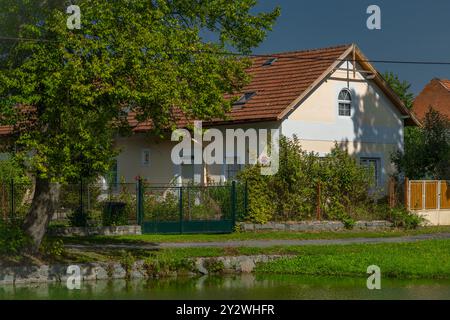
{"points": [[435, 94], [276, 86]]}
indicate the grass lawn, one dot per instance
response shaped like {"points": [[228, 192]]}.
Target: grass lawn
{"points": [[155, 238], [425, 259]]}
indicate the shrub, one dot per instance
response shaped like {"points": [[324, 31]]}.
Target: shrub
{"points": [[52, 247], [78, 218], [115, 214], [346, 188], [12, 238], [401, 217]]}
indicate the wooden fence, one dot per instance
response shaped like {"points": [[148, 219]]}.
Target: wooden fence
{"points": [[427, 194]]}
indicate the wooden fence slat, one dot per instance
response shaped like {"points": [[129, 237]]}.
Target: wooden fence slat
{"points": [[416, 196], [431, 188]]}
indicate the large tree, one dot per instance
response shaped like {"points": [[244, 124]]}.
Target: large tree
{"points": [[427, 149], [67, 92]]}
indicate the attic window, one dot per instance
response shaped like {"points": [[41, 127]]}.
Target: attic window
{"points": [[244, 99], [269, 62]]}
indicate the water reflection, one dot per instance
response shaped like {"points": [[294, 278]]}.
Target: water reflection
{"points": [[247, 286]]}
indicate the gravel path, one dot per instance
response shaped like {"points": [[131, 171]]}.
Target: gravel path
{"points": [[263, 243]]}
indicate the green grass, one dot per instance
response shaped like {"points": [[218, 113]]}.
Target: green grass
{"points": [[156, 238], [428, 259], [424, 259]]}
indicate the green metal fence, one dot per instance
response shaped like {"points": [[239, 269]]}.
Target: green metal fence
{"points": [[190, 209], [158, 209]]}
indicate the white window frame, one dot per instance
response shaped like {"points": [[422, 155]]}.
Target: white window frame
{"points": [[347, 102]]}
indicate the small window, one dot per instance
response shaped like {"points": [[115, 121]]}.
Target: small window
{"points": [[373, 164], [269, 62], [244, 98], [345, 103], [145, 157]]}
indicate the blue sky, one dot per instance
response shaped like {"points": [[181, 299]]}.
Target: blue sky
{"points": [[411, 30]]}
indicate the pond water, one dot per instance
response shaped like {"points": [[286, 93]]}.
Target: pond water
{"points": [[247, 286]]}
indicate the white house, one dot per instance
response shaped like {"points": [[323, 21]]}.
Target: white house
{"points": [[323, 96]]}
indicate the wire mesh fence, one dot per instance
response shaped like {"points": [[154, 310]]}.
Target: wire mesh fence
{"points": [[92, 204]]}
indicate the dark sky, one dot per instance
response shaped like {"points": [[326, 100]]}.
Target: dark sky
{"points": [[411, 30]]}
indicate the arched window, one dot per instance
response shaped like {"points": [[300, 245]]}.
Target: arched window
{"points": [[345, 103]]}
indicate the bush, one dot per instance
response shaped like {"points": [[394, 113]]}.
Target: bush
{"points": [[78, 218], [402, 218], [12, 238], [52, 247], [115, 214], [346, 188]]}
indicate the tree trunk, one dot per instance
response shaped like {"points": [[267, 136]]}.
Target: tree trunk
{"points": [[46, 196]]}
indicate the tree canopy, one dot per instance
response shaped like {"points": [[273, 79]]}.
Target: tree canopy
{"points": [[67, 93], [144, 57]]}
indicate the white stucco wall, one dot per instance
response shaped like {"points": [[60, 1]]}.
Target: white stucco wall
{"points": [[374, 130]]}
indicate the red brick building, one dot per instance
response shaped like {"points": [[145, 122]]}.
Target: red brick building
{"points": [[435, 94]]}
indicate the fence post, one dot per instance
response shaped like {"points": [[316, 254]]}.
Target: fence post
{"points": [[81, 196], [424, 196], [181, 209], [407, 203], [439, 186], [233, 204], [12, 199]]}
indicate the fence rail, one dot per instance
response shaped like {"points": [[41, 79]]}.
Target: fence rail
{"points": [[91, 204], [428, 194]]}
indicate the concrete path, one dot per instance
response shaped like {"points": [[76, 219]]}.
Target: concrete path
{"points": [[262, 243]]}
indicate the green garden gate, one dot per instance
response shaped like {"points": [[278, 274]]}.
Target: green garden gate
{"points": [[191, 208]]}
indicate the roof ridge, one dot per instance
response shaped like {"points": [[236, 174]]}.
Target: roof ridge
{"points": [[342, 46]]}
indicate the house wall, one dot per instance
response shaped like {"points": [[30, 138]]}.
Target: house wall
{"points": [[129, 162], [374, 130]]}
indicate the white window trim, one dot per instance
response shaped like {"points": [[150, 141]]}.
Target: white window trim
{"points": [[352, 107]]}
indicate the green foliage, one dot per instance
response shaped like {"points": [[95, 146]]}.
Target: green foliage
{"points": [[261, 206], [401, 88], [127, 261], [292, 193], [422, 259], [161, 207], [164, 265], [12, 238], [427, 149], [349, 223], [140, 56], [214, 265], [115, 214], [78, 218], [10, 169], [403, 218], [52, 247]]}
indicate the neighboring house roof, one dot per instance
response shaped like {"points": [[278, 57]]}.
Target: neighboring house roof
{"points": [[435, 94], [281, 82]]}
